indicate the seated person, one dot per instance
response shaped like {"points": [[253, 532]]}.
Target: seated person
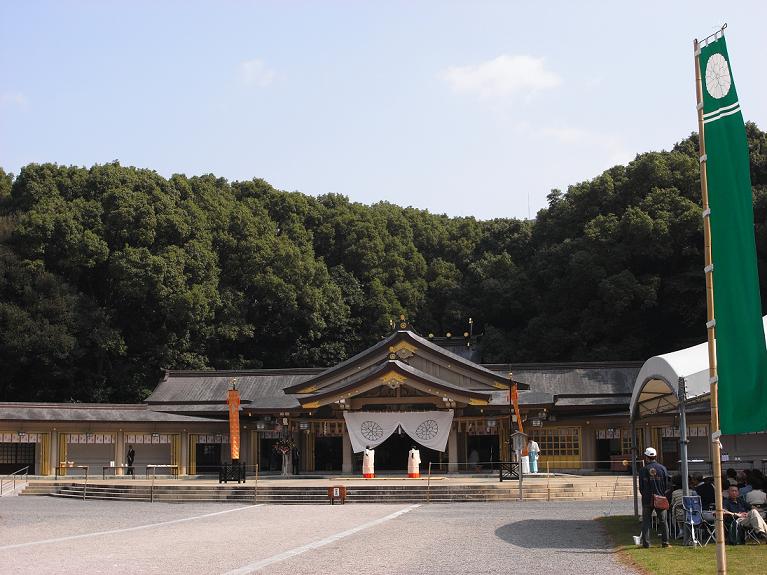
{"points": [[744, 482], [730, 478], [736, 509], [675, 500], [704, 488], [757, 495]]}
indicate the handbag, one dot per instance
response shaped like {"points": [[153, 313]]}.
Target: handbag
{"points": [[660, 502]]}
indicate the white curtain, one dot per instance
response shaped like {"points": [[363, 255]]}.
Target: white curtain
{"points": [[429, 428]]}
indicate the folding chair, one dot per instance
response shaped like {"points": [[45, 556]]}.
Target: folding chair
{"points": [[676, 519], [708, 530], [750, 534], [693, 517]]}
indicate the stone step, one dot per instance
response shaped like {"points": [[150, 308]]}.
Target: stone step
{"points": [[562, 490]]}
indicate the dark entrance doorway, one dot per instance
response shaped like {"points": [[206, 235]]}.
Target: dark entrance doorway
{"points": [[270, 460], [208, 457], [328, 453], [15, 456], [606, 448], [391, 455], [482, 451]]}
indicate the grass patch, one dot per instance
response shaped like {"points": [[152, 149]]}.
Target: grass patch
{"points": [[679, 560]]}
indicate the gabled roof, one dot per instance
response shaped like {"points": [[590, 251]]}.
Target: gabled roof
{"points": [[199, 391], [397, 367], [381, 348], [96, 412], [572, 385], [608, 378]]}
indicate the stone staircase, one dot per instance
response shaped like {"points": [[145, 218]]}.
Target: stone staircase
{"points": [[557, 489]]}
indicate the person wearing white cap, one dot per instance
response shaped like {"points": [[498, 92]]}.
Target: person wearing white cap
{"points": [[653, 483]]}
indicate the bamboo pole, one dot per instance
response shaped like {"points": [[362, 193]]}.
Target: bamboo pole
{"points": [[721, 554]]}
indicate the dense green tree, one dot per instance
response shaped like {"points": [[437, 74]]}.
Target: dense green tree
{"points": [[112, 273]]}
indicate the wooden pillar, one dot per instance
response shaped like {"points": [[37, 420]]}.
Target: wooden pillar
{"points": [[503, 439], [183, 464], [53, 457], [589, 448], [347, 462], [255, 437], [62, 455], [175, 450], [192, 454], [44, 448], [452, 451], [119, 452]]}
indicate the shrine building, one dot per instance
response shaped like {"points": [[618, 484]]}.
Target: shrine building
{"points": [[405, 390]]}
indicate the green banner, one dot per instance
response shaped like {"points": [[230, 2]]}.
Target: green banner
{"points": [[740, 347]]}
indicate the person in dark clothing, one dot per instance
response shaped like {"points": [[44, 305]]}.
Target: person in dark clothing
{"points": [[705, 489], [130, 458], [296, 461], [653, 480], [738, 514]]}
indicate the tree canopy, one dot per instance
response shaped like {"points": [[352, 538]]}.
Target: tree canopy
{"points": [[112, 273]]}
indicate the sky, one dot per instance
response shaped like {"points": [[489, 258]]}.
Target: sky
{"points": [[464, 108]]}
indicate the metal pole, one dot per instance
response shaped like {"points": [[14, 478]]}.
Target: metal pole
{"points": [[255, 487], [682, 395], [634, 476], [721, 553]]}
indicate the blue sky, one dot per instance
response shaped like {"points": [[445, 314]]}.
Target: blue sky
{"points": [[464, 108]]}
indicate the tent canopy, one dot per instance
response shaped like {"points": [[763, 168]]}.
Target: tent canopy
{"points": [[656, 388]]}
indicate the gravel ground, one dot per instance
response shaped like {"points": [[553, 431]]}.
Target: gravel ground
{"points": [[46, 535]]}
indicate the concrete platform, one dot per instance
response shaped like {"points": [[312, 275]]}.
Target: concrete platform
{"points": [[446, 489]]}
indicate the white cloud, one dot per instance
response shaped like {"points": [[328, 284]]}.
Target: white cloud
{"points": [[255, 73], [504, 76], [13, 98]]}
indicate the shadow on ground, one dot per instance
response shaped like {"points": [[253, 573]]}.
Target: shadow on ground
{"points": [[573, 535]]}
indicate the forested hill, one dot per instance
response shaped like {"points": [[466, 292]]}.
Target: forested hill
{"points": [[109, 274]]}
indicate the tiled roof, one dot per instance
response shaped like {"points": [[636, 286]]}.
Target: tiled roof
{"points": [[88, 412]]}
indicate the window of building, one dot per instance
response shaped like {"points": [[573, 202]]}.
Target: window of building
{"points": [[557, 441]]}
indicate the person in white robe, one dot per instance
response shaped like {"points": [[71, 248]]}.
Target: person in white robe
{"points": [[368, 463], [413, 463], [533, 452]]}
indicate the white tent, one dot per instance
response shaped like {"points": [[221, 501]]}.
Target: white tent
{"points": [[656, 388]]}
